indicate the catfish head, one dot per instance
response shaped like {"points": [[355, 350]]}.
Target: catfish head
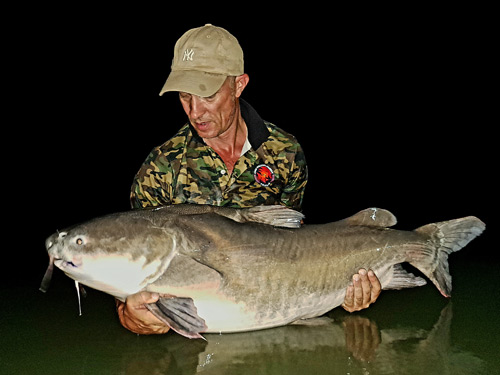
{"points": [[114, 254]]}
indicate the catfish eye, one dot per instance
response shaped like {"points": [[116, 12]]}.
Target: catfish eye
{"points": [[79, 241]]}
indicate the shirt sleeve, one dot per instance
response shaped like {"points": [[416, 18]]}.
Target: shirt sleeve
{"points": [[152, 185], [293, 192]]}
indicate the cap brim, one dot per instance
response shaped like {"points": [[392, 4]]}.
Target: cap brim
{"points": [[193, 82]]}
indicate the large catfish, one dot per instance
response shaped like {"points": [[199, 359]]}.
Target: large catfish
{"points": [[229, 270]]}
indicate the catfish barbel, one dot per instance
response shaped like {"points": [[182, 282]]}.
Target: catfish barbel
{"points": [[230, 270]]}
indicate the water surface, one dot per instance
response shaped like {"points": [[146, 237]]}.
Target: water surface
{"points": [[415, 331]]}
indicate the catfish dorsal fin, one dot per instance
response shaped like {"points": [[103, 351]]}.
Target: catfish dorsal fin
{"points": [[373, 217]]}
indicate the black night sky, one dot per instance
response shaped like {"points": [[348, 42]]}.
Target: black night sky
{"points": [[392, 111]]}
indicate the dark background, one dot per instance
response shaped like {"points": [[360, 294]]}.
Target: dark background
{"points": [[392, 107]]}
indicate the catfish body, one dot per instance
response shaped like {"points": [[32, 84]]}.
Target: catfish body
{"points": [[229, 270]]}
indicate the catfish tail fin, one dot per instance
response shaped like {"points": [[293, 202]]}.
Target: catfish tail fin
{"points": [[444, 238]]}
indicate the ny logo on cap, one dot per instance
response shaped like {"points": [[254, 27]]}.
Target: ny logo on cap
{"points": [[188, 55]]}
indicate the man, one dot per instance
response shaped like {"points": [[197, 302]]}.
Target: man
{"points": [[226, 156]]}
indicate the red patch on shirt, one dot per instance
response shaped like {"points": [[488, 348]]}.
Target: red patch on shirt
{"points": [[263, 174]]}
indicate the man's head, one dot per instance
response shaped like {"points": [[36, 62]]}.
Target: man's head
{"points": [[212, 116], [203, 58]]}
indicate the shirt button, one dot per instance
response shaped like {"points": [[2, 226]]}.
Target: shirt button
{"points": [[223, 172]]}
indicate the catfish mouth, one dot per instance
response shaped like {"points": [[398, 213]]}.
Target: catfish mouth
{"points": [[66, 264], [71, 268]]}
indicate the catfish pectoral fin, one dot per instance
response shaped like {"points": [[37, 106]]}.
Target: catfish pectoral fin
{"points": [[180, 314]]}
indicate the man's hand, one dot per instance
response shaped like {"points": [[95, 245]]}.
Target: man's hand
{"points": [[136, 317], [363, 291]]}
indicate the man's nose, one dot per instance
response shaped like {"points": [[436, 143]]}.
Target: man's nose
{"points": [[197, 107]]}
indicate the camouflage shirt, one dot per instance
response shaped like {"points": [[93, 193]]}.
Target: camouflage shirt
{"points": [[184, 169]]}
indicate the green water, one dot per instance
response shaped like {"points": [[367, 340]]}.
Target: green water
{"points": [[415, 331]]}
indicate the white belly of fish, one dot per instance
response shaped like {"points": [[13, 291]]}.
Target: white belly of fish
{"points": [[223, 315]]}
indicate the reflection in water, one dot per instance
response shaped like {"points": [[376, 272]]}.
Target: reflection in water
{"points": [[56, 340], [353, 346]]}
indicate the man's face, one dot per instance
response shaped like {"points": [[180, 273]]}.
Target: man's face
{"points": [[211, 116]]}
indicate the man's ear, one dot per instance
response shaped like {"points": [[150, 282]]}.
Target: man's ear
{"points": [[240, 83]]}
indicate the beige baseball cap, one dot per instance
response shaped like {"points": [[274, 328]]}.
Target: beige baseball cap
{"points": [[203, 58]]}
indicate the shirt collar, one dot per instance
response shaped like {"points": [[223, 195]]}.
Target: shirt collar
{"points": [[256, 128]]}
